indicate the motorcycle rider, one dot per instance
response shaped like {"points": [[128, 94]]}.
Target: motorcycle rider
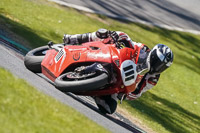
{"points": [[151, 63]]}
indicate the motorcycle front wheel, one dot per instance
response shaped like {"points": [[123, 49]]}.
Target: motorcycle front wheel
{"points": [[33, 59], [71, 82]]}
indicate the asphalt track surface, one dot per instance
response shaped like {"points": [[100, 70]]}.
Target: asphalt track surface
{"points": [[12, 60], [182, 15]]}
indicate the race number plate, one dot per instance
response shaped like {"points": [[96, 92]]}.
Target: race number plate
{"points": [[128, 72]]}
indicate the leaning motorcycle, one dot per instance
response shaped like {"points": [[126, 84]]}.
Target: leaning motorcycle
{"points": [[91, 69]]}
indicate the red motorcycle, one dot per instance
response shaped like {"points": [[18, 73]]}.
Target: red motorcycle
{"points": [[92, 69]]}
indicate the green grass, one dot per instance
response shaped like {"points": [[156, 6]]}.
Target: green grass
{"points": [[25, 110], [171, 106]]}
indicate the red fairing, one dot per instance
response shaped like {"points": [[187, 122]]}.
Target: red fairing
{"points": [[75, 54], [56, 63]]}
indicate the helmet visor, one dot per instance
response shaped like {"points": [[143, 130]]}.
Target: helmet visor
{"points": [[157, 66], [142, 66]]}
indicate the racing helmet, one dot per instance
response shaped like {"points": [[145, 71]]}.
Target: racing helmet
{"points": [[160, 58]]}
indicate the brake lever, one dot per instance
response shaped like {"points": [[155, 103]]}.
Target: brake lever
{"points": [[50, 44], [57, 47]]}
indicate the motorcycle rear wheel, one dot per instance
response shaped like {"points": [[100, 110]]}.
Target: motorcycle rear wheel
{"points": [[93, 82], [112, 104], [33, 59]]}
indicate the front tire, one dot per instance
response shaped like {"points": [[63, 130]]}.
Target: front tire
{"points": [[92, 83], [33, 59]]}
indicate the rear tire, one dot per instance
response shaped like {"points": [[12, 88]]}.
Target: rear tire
{"points": [[92, 83], [33, 59], [112, 103]]}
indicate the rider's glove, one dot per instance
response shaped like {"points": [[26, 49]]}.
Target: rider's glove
{"points": [[123, 37], [66, 38], [114, 35]]}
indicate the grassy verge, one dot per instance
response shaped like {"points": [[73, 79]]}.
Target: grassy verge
{"points": [[25, 110], [171, 106]]}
